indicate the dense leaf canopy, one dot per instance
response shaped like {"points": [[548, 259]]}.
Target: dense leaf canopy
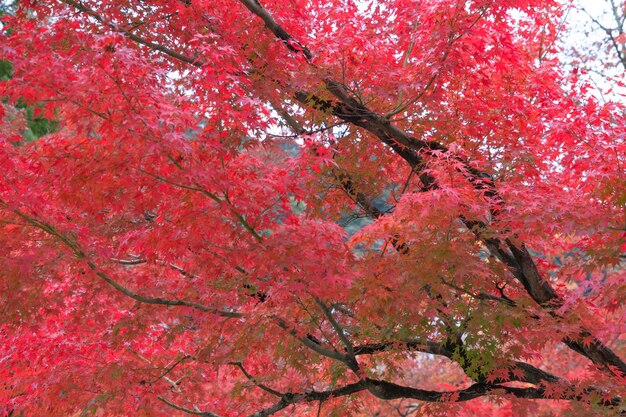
{"points": [[321, 207]]}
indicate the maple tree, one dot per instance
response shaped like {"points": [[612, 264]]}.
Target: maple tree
{"points": [[226, 208]]}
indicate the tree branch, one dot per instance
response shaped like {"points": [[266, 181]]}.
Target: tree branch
{"points": [[154, 46], [529, 373], [293, 45], [80, 254], [187, 410], [342, 336], [240, 218], [480, 295], [311, 343], [294, 398], [255, 382]]}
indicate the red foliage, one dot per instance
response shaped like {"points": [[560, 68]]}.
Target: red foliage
{"points": [[189, 238]]}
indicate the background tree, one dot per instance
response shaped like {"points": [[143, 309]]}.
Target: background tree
{"points": [[595, 45], [175, 244]]}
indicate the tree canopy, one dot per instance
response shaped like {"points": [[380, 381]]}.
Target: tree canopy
{"points": [[321, 207]]}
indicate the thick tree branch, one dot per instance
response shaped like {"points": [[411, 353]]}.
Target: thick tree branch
{"points": [[390, 391], [295, 398], [517, 371], [282, 404]]}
